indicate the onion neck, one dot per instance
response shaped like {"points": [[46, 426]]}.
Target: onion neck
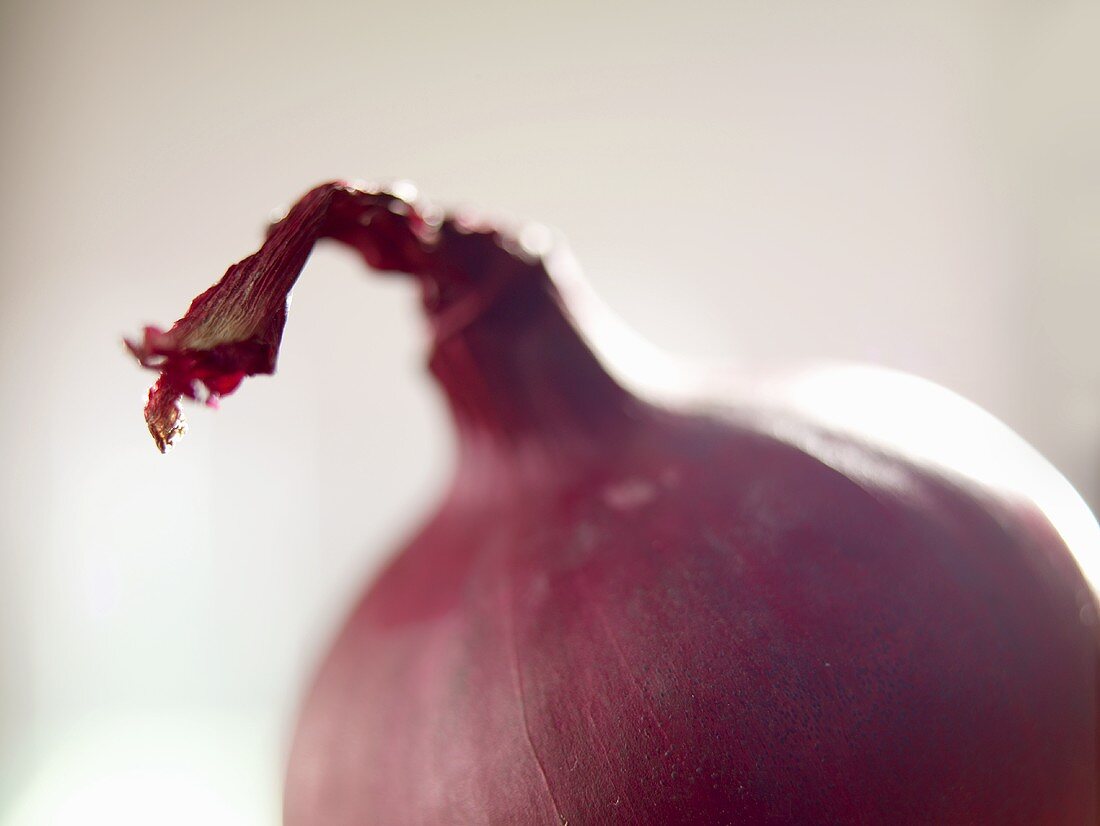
{"points": [[525, 390]]}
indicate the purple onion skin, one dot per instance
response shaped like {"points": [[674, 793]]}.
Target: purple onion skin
{"points": [[623, 613], [688, 621]]}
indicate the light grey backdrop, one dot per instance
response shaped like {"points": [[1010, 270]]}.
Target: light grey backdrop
{"points": [[911, 184]]}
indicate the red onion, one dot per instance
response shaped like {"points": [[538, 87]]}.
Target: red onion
{"points": [[624, 612]]}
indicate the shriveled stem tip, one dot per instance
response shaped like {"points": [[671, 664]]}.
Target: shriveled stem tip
{"points": [[234, 329]]}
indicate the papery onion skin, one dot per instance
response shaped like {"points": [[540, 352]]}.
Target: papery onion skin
{"points": [[627, 613]]}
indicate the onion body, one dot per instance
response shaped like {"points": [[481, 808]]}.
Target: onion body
{"points": [[625, 612]]}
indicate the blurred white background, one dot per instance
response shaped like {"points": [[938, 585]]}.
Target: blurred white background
{"points": [[915, 185]]}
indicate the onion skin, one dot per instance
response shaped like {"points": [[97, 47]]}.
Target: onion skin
{"points": [[628, 613]]}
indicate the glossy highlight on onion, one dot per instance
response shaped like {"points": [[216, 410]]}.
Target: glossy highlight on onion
{"points": [[627, 610]]}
